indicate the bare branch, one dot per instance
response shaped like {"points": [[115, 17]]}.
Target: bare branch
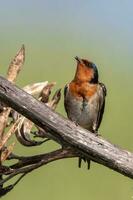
{"points": [[28, 164], [35, 162], [65, 132]]}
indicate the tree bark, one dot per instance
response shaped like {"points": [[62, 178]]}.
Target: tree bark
{"points": [[66, 132]]}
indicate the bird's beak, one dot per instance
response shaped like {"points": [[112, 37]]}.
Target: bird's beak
{"points": [[78, 59]]}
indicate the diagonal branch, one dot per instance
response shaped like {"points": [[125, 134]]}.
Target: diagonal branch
{"points": [[65, 132]]}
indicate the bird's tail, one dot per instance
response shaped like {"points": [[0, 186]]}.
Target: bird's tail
{"points": [[85, 160]]}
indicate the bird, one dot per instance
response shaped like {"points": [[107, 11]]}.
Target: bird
{"points": [[84, 98]]}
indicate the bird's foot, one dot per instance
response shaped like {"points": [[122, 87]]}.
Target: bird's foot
{"points": [[96, 133]]}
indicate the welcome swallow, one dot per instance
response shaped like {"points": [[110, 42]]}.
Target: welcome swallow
{"points": [[84, 98]]}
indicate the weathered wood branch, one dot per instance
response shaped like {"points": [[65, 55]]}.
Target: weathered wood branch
{"points": [[65, 132]]}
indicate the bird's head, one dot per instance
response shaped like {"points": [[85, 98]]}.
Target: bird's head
{"points": [[86, 71]]}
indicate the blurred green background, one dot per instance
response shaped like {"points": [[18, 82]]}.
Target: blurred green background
{"points": [[54, 32]]}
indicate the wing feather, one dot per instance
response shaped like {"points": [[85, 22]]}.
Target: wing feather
{"points": [[65, 98], [101, 104]]}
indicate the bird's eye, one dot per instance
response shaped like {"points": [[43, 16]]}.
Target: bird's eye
{"points": [[93, 65]]}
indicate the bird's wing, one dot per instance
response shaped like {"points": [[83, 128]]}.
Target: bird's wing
{"points": [[65, 97], [102, 95]]}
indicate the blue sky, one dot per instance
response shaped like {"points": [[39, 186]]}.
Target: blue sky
{"points": [[112, 14], [106, 20]]}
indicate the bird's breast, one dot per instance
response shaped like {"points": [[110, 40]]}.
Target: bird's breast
{"points": [[82, 109], [82, 89]]}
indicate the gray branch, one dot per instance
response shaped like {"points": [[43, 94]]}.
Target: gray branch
{"points": [[66, 132]]}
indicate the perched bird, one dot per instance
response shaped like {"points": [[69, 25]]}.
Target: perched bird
{"points": [[84, 98]]}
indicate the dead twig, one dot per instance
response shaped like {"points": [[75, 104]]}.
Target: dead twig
{"points": [[6, 152], [13, 71], [28, 164]]}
